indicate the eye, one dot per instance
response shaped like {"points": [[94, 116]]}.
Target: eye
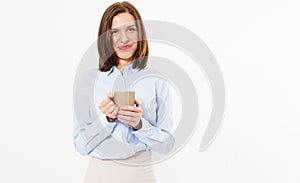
{"points": [[131, 29], [113, 32]]}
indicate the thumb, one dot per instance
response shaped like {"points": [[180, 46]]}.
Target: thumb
{"points": [[137, 103], [110, 95]]}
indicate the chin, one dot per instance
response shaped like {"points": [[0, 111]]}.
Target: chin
{"points": [[125, 56]]}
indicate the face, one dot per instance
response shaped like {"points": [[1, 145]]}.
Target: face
{"points": [[124, 36]]}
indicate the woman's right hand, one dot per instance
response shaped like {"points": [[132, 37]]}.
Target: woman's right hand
{"points": [[108, 108]]}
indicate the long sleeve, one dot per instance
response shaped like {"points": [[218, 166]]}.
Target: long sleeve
{"points": [[157, 134], [93, 135], [90, 130]]}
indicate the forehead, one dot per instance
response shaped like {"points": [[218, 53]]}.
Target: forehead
{"points": [[122, 19]]}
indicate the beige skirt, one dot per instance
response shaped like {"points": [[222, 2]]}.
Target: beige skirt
{"points": [[121, 171]]}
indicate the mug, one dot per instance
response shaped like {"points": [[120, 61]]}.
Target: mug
{"points": [[124, 98]]}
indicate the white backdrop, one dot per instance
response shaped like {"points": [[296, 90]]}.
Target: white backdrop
{"points": [[255, 42]]}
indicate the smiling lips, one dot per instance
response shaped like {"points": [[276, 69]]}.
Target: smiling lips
{"points": [[125, 47]]}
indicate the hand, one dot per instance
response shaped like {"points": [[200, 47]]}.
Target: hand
{"points": [[131, 115], [108, 108]]}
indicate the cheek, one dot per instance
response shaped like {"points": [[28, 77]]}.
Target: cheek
{"points": [[114, 42], [135, 46], [133, 37]]}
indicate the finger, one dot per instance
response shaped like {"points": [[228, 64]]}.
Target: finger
{"points": [[137, 103], [137, 110], [126, 119], [114, 113], [122, 119], [107, 107], [110, 110], [116, 109], [128, 108], [104, 102], [127, 113], [110, 95]]}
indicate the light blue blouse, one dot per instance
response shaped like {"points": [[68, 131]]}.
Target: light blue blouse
{"points": [[93, 135]]}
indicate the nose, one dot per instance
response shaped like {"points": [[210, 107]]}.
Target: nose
{"points": [[124, 37]]}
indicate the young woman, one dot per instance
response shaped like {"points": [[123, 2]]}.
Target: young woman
{"points": [[127, 134]]}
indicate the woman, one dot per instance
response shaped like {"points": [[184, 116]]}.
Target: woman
{"points": [[127, 134]]}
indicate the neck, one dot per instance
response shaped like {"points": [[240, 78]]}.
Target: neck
{"points": [[123, 63]]}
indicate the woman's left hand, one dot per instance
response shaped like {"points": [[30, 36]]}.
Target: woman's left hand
{"points": [[131, 115]]}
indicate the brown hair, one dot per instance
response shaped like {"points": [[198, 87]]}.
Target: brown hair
{"points": [[107, 56]]}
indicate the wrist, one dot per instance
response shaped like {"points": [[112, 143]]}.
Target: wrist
{"points": [[110, 119], [138, 125]]}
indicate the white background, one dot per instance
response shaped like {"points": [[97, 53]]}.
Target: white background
{"points": [[255, 42]]}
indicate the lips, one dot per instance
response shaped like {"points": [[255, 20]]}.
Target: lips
{"points": [[125, 47]]}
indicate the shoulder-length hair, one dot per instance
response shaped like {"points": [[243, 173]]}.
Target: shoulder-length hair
{"points": [[107, 55]]}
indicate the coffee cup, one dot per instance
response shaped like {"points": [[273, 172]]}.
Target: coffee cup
{"points": [[124, 98]]}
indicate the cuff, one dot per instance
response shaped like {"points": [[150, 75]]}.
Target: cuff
{"points": [[108, 126], [144, 130]]}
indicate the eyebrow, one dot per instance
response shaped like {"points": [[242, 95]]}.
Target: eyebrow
{"points": [[133, 25]]}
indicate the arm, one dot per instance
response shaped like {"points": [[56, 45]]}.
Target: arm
{"points": [[157, 135], [89, 129]]}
